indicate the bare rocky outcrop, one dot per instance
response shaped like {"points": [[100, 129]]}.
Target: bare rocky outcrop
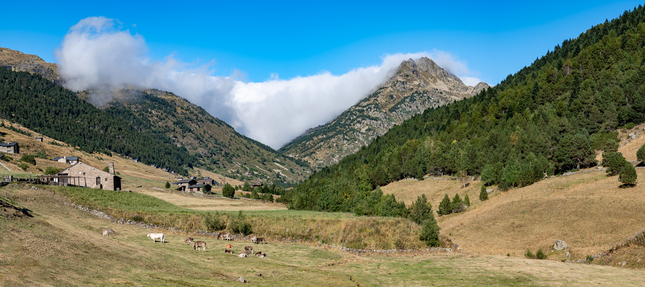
{"points": [[416, 86], [20, 62]]}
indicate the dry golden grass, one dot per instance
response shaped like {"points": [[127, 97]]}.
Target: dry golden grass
{"points": [[629, 149], [61, 246], [434, 189], [213, 204]]}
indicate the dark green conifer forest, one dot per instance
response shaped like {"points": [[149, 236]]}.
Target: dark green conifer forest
{"points": [[42, 106], [548, 118]]}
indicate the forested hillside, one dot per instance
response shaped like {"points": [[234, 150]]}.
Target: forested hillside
{"points": [[46, 108], [548, 118]]}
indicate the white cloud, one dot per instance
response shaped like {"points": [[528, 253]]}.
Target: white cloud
{"points": [[96, 55]]}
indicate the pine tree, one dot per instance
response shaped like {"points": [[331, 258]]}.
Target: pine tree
{"points": [[457, 204], [420, 210], [467, 200], [483, 194], [228, 191], [167, 184], [628, 175], [640, 154], [430, 231], [445, 206], [614, 162]]}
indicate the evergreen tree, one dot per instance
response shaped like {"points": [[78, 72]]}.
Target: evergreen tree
{"points": [[483, 194], [628, 175], [420, 210], [467, 200], [167, 184], [246, 187], [614, 162], [430, 231], [457, 205], [228, 191], [445, 207]]}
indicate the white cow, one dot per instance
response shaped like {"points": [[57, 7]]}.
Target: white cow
{"points": [[156, 236]]}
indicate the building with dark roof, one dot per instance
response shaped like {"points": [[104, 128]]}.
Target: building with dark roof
{"points": [[9, 147]]}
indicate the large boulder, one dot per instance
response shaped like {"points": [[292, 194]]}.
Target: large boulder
{"points": [[559, 245]]}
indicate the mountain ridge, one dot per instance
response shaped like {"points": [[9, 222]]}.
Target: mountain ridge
{"points": [[416, 86]]}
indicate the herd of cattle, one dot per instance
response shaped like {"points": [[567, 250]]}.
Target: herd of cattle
{"points": [[248, 250]]}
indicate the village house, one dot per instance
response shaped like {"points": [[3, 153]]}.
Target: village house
{"points": [[192, 185], [92, 177], [9, 148], [207, 180], [40, 139], [67, 159], [183, 184], [203, 188]]}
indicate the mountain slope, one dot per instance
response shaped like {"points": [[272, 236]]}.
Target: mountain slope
{"points": [[549, 118], [207, 142], [417, 85]]}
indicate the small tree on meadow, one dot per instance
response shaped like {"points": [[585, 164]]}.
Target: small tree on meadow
{"points": [[457, 205], [483, 194], [167, 184], [420, 210], [445, 207], [628, 175], [467, 200], [614, 162], [430, 231], [228, 191]]}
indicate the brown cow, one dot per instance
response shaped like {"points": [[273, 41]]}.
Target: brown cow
{"points": [[229, 251], [189, 240], [230, 246], [260, 239], [224, 236], [250, 248], [199, 244], [261, 254], [248, 252]]}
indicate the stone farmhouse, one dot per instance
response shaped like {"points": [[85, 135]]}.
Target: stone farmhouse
{"points": [[207, 180], [67, 159], [191, 185], [9, 148], [93, 177]]}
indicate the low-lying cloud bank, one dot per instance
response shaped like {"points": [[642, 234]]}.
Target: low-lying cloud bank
{"points": [[96, 54]]}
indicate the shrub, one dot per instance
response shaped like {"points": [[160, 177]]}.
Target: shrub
{"points": [[28, 158], [589, 258], [51, 170], [540, 254], [640, 154], [41, 154], [167, 184], [106, 169], [628, 175], [420, 210], [239, 225], [528, 254], [466, 200], [137, 218], [483, 194], [24, 166], [212, 222], [228, 191], [7, 158], [254, 194]]}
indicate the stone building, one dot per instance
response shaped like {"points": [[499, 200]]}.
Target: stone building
{"points": [[67, 159], [93, 177], [9, 147]]}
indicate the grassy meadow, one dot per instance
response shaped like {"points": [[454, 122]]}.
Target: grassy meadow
{"points": [[62, 246]]}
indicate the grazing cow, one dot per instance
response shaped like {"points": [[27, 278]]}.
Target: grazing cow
{"points": [[250, 248], [156, 236], [261, 254], [254, 239], [229, 246], [228, 236], [242, 255], [222, 235], [258, 253], [107, 232], [189, 240], [247, 252], [260, 240], [229, 251], [199, 244]]}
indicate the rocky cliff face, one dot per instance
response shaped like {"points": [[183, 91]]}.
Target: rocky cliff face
{"points": [[19, 62], [417, 85]]}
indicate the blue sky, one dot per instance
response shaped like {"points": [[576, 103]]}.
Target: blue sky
{"points": [[273, 70], [303, 38]]}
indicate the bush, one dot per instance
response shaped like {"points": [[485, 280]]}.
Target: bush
{"points": [[540, 254], [528, 254], [640, 154], [106, 169], [228, 191], [466, 200], [239, 225], [483, 194], [28, 158], [254, 194], [41, 154], [24, 166], [589, 258], [212, 222], [167, 184], [628, 175], [51, 170], [7, 158]]}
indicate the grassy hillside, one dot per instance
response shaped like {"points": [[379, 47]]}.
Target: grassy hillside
{"points": [[63, 246]]}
